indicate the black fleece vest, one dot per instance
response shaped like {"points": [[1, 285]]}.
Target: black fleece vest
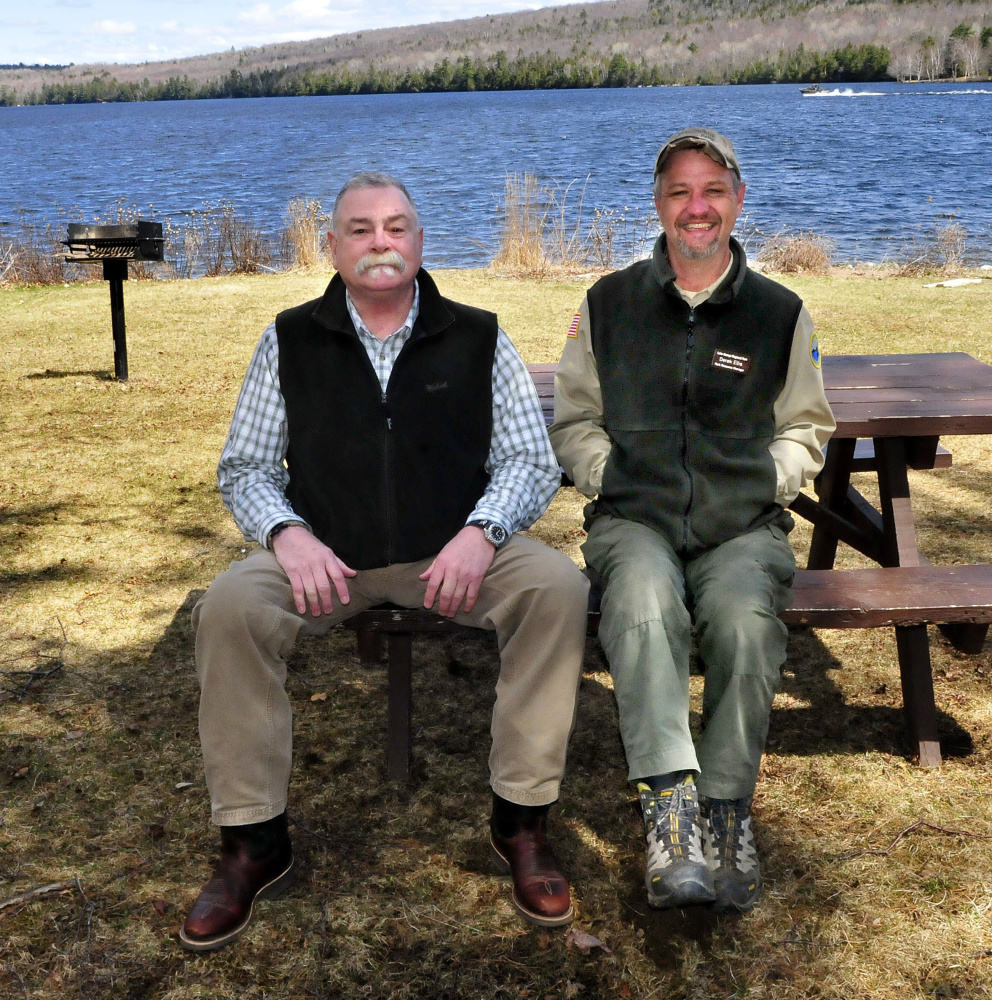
{"points": [[688, 399], [386, 477]]}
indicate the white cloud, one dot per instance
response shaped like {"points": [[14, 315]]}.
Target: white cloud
{"points": [[261, 13], [111, 28]]}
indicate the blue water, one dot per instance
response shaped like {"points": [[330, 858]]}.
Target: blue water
{"points": [[871, 166]]}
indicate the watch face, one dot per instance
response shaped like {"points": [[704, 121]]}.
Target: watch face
{"points": [[496, 534]]}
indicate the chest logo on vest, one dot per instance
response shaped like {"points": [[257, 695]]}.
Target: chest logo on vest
{"points": [[436, 386], [738, 363]]}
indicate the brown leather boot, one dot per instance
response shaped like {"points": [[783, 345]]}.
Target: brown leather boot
{"points": [[256, 862], [519, 847]]}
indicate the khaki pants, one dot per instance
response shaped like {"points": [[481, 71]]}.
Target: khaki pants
{"points": [[534, 597], [734, 594]]}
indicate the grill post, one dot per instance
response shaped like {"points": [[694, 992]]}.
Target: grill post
{"points": [[115, 272]]}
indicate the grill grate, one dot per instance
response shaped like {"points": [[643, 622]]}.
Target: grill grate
{"points": [[142, 241]]}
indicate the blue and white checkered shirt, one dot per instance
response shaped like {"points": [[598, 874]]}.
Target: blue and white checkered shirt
{"points": [[253, 477]]}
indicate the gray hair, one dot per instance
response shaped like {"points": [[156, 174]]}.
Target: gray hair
{"points": [[372, 179]]}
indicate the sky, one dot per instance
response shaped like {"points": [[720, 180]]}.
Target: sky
{"points": [[131, 31]]}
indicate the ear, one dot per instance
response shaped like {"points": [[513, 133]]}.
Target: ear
{"points": [[332, 244]]}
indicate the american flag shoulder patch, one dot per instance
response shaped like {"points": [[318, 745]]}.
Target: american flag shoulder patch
{"points": [[573, 330]]}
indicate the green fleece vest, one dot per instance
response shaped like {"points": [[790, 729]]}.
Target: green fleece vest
{"points": [[688, 398], [387, 477]]}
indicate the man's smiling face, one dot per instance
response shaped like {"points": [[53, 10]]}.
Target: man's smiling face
{"points": [[697, 204]]}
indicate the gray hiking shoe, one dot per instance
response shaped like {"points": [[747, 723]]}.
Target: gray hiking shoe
{"points": [[728, 844], [677, 873]]}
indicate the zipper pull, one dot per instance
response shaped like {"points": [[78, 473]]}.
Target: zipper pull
{"points": [[385, 407]]}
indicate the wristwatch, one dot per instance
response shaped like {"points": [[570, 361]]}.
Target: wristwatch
{"points": [[493, 532]]}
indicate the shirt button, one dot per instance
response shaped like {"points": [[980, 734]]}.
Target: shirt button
{"points": [[382, 357]]}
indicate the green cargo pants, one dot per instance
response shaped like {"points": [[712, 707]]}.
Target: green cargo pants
{"points": [[651, 598]]}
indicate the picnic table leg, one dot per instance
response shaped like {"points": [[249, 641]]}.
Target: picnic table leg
{"points": [[968, 639], [831, 490], [400, 668], [919, 707], [898, 525], [912, 641], [370, 646]]}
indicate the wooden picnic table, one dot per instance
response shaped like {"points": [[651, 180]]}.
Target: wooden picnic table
{"points": [[891, 411], [904, 403]]}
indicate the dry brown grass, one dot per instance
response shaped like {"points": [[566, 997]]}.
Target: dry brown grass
{"points": [[110, 526]]}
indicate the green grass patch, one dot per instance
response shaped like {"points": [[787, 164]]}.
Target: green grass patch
{"points": [[110, 527]]}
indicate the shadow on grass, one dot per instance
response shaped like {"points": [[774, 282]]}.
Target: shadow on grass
{"points": [[830, 725], [411, 859], [101, 374]]}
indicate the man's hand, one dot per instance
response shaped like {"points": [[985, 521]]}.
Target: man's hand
{"points": [[311, 567], [457, 571]]}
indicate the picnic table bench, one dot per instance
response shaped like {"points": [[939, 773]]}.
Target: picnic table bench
{"points": [[905, 593]]}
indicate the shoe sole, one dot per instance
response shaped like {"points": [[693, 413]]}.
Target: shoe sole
{"points": [[271, 890], [726, 905], [503, 867], [685, 895]]}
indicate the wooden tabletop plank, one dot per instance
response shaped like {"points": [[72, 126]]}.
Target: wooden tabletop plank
{"points": [[883, 395]]}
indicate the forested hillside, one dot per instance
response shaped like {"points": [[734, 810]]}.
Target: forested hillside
{"points": [[613, 44]]}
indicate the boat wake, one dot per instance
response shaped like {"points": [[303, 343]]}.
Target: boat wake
{"points": [[848, 92]]}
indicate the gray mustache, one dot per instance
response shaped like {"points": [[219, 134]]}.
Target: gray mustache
{"points": [[388, 259]]}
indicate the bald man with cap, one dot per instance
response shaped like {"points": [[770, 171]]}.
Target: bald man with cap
{"points": [[689, 407]]}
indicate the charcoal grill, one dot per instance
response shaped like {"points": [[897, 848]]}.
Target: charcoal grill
{"points": [[114, 246]]}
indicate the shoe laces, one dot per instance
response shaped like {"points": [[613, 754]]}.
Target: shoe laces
{"points": [[671, 819], [728, 837]]}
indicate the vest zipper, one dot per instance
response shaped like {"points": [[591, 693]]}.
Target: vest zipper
{"points": [[684, 450], [387, 480]]}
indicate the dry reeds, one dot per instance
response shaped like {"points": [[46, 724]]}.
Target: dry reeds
{"points": [[797, 253], [526, 206], [542, 231], [303, 247], [942, 250]]}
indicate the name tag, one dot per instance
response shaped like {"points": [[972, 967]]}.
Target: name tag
{"points": [[739, 363]]}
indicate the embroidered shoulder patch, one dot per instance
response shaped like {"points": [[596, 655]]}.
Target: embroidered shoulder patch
{"points": [[739, 363], [573, 330], [814, 351]]}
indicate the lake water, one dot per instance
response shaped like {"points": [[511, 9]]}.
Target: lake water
{"points": [[871, 166]]}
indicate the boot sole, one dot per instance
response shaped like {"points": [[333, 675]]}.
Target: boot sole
{"points": [[503, 867], [271, 890], [691, 891]]}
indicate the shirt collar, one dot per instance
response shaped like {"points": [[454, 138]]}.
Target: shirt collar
{"points": [[697, 298], [364, 331]]}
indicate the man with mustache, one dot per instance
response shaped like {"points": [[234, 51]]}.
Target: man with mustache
{"points": [[689, 403], [386, 446]]}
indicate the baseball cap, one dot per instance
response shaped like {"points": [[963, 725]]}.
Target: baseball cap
{"points": [[717, 147]]}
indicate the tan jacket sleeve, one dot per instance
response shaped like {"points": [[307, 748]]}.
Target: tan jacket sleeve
{"points": [[580, 442], [803, 419]]}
